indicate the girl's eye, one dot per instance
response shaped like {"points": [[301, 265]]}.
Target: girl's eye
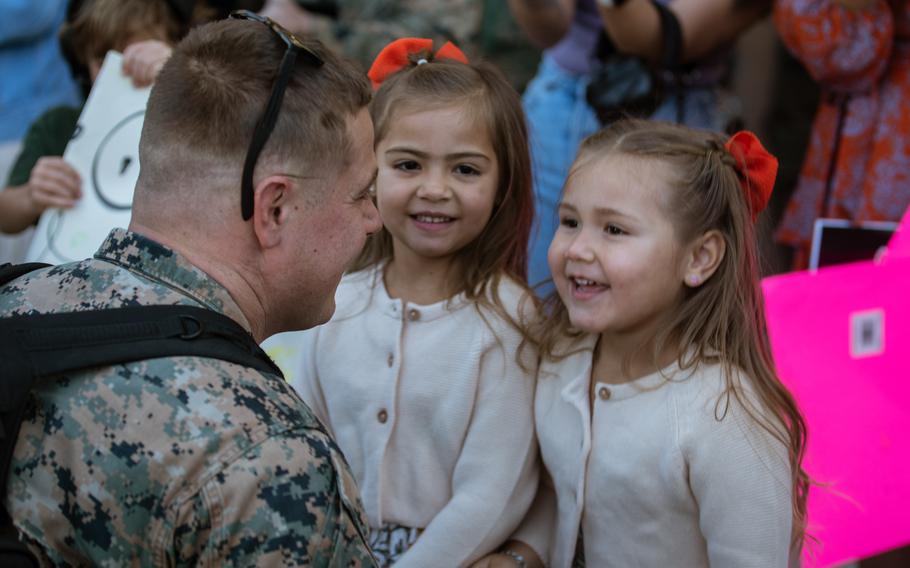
{"points": [[466, 170], [407, 165], [612, 229], [569, 222]]}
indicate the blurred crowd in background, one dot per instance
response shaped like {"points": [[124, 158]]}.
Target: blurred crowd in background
{"points": [[823, 82]]}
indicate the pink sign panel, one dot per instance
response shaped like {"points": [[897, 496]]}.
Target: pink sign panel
{"points": [[841, 342]]}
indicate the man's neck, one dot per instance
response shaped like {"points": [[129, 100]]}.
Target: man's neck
{"points": [[218, 265]]}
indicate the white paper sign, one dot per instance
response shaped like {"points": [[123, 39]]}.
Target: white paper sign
{"points": [[104, 150]]}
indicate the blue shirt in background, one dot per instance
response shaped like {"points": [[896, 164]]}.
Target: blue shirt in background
{"points": [[34, 77]]}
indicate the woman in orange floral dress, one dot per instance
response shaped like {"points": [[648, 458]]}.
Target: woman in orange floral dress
{"points": [[857, 166]]}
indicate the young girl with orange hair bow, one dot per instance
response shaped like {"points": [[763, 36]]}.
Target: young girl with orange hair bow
{"points": [[666, 434], [422, 375]]}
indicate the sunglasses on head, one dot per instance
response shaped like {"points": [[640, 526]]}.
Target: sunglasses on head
{"points": [[267, 122]]}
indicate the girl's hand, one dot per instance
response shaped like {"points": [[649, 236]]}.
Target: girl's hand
{"points": [[495, 561], [144, 59], [500, 560], [53, 183]]}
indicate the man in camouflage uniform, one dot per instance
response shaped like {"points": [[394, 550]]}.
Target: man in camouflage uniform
{"points": [[188, 460], [481, 28]]}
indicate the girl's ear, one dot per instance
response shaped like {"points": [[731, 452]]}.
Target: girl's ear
{"points": [[703, 256]]}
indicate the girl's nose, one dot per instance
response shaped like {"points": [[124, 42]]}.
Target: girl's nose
{"points": [[580, 248], [433, 187]]}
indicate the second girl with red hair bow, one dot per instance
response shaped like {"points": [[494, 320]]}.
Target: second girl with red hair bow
{"points": [[423, 375], [666, 434]]}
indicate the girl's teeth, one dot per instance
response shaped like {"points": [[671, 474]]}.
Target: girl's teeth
{"points": [[431, 219]]}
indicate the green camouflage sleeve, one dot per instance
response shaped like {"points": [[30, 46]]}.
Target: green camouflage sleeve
{"points": [[289, 501], [364, 27]]}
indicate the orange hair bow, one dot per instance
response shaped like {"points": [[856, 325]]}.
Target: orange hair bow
{"points": [[756, 167], [396, 56]]}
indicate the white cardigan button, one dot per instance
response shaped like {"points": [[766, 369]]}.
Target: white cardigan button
{"points": [[383, 416], [604, 393], [413, 315]]}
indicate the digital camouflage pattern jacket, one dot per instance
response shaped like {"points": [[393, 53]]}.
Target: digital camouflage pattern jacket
{"points": [[172, 461]]}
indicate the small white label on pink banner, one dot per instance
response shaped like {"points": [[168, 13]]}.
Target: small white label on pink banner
{"points": [[867, 333]]}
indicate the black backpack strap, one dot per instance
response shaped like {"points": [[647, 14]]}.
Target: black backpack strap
{"points": [[45, 345], [671, 49], [13, 552], [9, 272], [672, 45], [671, 53]]}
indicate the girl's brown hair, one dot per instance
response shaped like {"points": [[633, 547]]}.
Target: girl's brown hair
{"points": [[502, 246], [723, 320]]}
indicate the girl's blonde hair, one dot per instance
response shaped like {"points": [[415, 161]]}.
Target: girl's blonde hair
{"points": [[501, 248], [723, 320]]}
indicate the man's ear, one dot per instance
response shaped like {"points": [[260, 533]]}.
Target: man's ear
{"points": [[271, 209], [703, 256]]}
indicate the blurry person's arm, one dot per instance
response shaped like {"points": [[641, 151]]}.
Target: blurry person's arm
{"points": [[707, 25], [544, 21], [52, 183], [362, 29], [844, 44], [15, 210]]}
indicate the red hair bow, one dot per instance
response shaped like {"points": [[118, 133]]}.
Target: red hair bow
{"points": [[756, 167], [396, 56]]}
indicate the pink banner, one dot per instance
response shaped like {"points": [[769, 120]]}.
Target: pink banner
{"points": [[841, 342]]}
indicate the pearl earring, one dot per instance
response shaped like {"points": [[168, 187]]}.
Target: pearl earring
{"points": [[694, 280]]}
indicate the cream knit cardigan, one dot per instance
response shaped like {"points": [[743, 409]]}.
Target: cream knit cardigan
{"points": [[655, 479], [433, 413]]}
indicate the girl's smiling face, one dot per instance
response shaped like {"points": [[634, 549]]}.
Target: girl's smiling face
{"points": [[616, 260], [437, 182]]}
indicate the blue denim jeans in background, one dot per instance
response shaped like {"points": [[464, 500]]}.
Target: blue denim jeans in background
{"points": [[559, 119]]}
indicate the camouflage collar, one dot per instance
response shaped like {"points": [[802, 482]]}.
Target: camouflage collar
{"points": [[142, 255]]}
